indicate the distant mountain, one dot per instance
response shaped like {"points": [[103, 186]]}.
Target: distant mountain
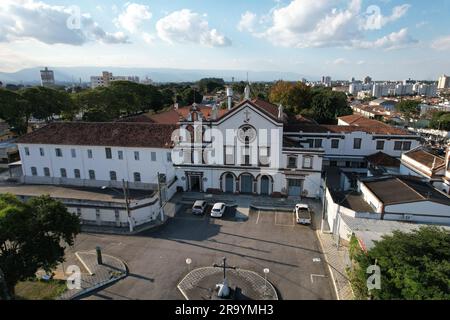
{"points": [[70, 74]]}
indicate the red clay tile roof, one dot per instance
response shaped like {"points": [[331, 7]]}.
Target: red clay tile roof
{"points": [[358, 120], [173, 116], [139, 118], [383, 159], [426, 158], [267, 106], [404, 189], [388, 130], [117, 134]]}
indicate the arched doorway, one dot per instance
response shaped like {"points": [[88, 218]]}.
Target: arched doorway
{"points": [[246, 183], [265, 185], [229, 183]]}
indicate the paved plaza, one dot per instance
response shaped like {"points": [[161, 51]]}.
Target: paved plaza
{"points": [[266, 239]]}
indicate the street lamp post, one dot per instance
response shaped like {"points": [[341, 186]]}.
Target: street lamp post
{"points": [[266, 272], [127, 201], [188, 262]]}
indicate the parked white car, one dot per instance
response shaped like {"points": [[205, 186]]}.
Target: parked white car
{"points": [[302, 214], [218, 210], [199, 207]]}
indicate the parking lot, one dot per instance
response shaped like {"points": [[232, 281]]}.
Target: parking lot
{"points": [[264, 239]]}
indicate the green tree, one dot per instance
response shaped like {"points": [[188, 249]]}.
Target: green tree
{"points": [[31, 236], [293, 96], [327, 105], [44, 102], [188, 96], [414, 266], [440, 120], [210, 85], [409, 108], [13, 109]]}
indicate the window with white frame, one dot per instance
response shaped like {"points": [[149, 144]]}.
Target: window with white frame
{"points": [[89, 153], [112, 176], [33, 171], [229, 155], [58, 152], [63, 173], [41, 152], [307, 162], [108, 153], [136, 155], [120, 155], [47, 172], [27, 151], [91, 174], [73, 153], [137, 177], [76, 173], [153, 156], [292, 162]]}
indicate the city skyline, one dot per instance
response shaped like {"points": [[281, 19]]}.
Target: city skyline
{"points": [[343, 39]]}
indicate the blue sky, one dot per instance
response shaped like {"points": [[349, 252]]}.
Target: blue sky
{"points": [[387, 39]]}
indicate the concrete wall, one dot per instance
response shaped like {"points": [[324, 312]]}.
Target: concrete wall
{"points": [[423, 211]]}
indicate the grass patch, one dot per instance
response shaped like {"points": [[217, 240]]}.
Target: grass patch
{"points": [[40, 290]]}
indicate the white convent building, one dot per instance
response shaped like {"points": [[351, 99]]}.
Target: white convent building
{"points": [[242, 149]]}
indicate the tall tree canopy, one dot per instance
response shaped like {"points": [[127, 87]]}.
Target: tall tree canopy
{"points": [[414, 266], [327, 105], [409, 108], [293, 96], [31, 235], [17, 107], [210, 85], [188, 96], [440, 120]]}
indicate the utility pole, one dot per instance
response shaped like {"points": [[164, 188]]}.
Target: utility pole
{"points": [[160, 197], [324, 202], [127, 203]]}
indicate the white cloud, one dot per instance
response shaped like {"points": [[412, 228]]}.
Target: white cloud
{"points": [[29, 19], [441, 44], [132, 18], [185, 26], [322, 23], [247, 22], [340, 61], [313, 23], [148, 38], [395, 40]]}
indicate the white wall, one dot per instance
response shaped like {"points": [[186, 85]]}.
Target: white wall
{"points": [[346, 140], [423, 211], [102, 166]]}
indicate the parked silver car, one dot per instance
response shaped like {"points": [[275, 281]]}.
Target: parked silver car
{"points": [[199, 207]]}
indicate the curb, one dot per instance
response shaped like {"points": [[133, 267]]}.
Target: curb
{"points": [[100, 284], [201, 268], [84, 264], [336, 291]]}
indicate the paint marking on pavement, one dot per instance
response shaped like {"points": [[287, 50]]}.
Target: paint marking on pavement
{"points": [[257, 219], [317, 276], [283, 225]]}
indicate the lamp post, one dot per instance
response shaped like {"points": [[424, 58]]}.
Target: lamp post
{"points": [[127, 201], [266, 272], [188, 262]]}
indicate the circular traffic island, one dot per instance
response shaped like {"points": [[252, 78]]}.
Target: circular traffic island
{"points": [[202, 284]]}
